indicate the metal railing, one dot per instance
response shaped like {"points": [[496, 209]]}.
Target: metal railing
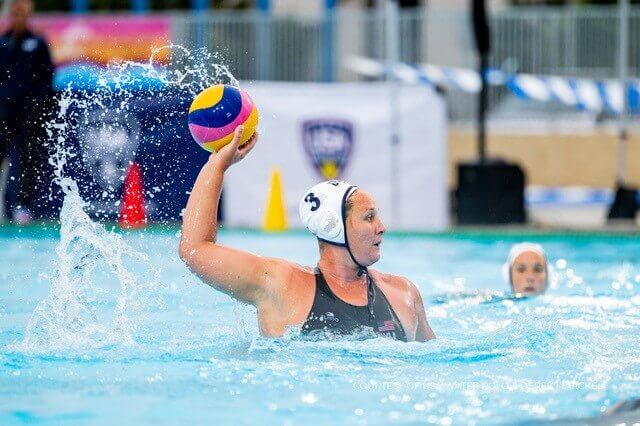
{"points": [[568, 41]]}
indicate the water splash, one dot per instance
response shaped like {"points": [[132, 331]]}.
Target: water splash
{"points": [[69, 316], [195, 70], [90, 258], [623, 278]]}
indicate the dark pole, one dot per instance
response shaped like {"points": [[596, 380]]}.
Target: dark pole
{"points": [[392, 35], [263, 40], [625, 204], [328, 44], [482, 107], [483, 44], [490, 191]]}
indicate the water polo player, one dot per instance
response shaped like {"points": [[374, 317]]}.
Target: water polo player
{"points": [[341, 295], [526, 270]]}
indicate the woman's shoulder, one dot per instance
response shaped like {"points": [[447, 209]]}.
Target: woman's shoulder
{"points": [[392, 282], [292, 292], [290, 274]]}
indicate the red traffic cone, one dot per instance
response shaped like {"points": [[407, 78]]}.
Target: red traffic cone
{"points": [[132, 211]]}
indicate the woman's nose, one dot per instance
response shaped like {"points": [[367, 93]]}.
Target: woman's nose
{"points": [[381, 228]]}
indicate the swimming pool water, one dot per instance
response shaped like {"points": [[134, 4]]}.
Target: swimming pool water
{"points": [[151, 344]]}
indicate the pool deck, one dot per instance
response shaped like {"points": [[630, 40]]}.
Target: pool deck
{"points": [[534, 229]]}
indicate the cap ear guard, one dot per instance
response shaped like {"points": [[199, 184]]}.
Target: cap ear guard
{"points": [[326, 224], [506, 274], [321, 210], [552, 276]]}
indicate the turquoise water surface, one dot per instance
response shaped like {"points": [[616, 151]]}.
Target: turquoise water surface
{"points": [[98, 328]]}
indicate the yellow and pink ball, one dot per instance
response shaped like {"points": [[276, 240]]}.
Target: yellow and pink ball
{"points": [[217, 111]]}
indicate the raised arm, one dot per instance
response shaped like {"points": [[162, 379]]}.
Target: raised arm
{"points": [[243, 275]]}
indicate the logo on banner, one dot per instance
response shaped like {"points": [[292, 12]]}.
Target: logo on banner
{"points": [[109, 145], [328, 143]]}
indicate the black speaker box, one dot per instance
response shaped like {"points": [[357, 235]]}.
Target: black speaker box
{"points": [[490, 192], [625, 204]]}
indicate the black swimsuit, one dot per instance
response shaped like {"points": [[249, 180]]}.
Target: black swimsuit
{"points": [[332, 314]]}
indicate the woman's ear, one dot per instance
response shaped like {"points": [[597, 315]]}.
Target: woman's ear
{"points": [[550, 273]]}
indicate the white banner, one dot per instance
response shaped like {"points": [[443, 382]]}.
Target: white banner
{"points": [[310, 128]]}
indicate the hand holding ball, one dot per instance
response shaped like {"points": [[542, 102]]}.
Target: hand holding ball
{"points": [[217, 111]]}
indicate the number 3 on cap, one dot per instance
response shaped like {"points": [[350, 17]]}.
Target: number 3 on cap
{"points": [[315, 201]]}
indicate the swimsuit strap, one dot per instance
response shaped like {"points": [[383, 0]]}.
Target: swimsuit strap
{"points": [[322, 286]]}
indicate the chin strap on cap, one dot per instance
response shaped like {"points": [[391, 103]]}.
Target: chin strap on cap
{"points": [[362, 270]]}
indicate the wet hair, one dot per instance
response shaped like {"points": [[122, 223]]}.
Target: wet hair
{"points": [[348, 205]]}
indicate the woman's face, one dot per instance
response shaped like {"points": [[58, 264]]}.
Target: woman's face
{"points": [[529, 273], [364, 228], [20, 12]]}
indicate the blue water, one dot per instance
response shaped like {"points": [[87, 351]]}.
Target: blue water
{"points": [[149, 343]]}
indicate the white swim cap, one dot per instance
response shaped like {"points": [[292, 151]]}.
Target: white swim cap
{"points": [[516, 251], [322, 210]]}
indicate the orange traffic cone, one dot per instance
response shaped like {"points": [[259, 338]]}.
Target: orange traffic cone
{"points": [[132, 211]]}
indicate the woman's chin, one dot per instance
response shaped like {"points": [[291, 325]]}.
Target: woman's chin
{"points": [[529, 291]]}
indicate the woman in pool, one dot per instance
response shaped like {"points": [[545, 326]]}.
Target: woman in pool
{"points": [[526, 269], [340, 296]]}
